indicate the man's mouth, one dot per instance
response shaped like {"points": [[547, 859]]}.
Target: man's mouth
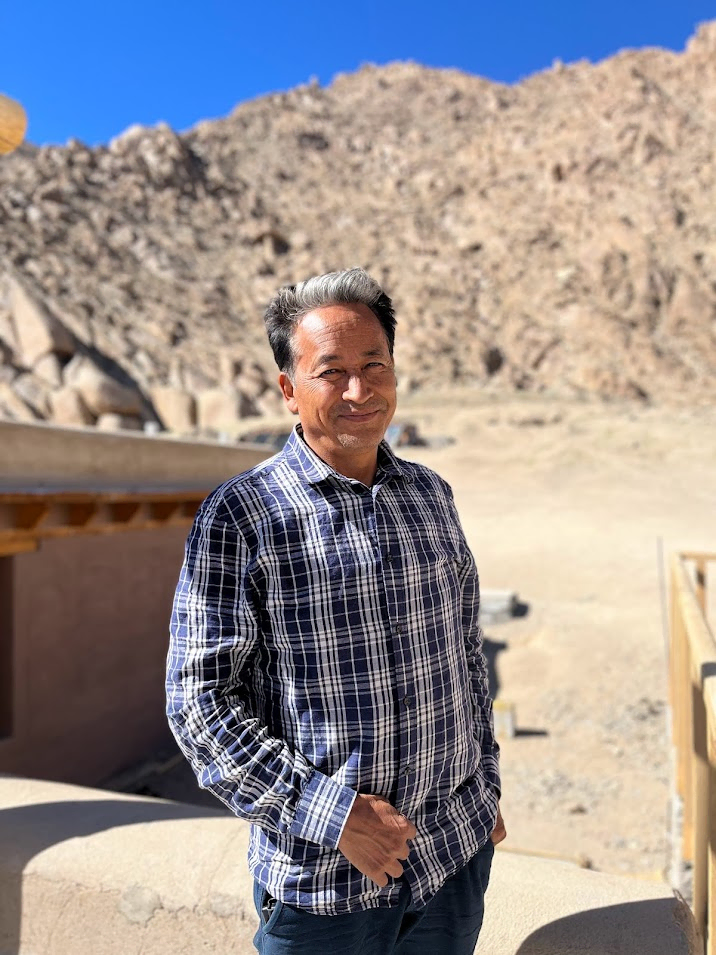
{"points": [[359, 416]]}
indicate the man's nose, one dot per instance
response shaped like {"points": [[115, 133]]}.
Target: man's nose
{"points": [[357, 389]]}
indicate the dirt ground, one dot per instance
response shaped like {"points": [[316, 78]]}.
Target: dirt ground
{"points": [[577, 508]]}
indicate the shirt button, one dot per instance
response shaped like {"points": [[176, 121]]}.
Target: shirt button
{"points": [[407, 701], [389, 557], [407, 770]]}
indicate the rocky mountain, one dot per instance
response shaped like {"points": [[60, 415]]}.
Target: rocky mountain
{"points": [[555, 236]]}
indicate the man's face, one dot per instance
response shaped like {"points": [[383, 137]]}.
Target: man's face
{"points": [[343, 384]]}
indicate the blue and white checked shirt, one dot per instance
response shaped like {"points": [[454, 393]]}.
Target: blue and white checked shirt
{"points": [[324, 642]]}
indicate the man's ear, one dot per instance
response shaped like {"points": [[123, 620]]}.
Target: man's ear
{"points": [[286, 386]]}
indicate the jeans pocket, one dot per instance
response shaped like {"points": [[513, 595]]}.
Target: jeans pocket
{"points": [[268, 907]]}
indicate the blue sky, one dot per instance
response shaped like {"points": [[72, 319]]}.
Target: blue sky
{"points": [[89, 70]]}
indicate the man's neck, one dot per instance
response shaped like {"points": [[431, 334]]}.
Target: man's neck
{"points": [[360, 466]]}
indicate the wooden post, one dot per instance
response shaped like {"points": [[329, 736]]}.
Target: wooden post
{"points": [[682, 705], [710, 700], [700, 802], [701, 583]]}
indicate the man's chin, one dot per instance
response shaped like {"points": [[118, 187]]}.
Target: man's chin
{"points": [[360, 442]]}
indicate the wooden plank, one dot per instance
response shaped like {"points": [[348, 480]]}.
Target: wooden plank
{"points": [[680, 689], [702, 646], [700, 807], [701, 584], [710, 706], [16, 544]]}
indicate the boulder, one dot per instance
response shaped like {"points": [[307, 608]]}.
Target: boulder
{"points": [[251, 381], [218, 410], [102, 393], [37, 331], [119, 422], [68, 408], [270, 403], [48, 369], [33, 392], [176, 408], [13, 406], [8, 340]]}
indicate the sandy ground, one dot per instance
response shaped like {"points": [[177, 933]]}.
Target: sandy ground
{"points": [[572, 506]]}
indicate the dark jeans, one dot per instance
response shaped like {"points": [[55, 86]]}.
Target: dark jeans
{"points": [[448, 925]]}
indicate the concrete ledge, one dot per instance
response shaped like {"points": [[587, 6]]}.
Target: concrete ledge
{"points": [[44, 456], [540, 906], [88, 872]]}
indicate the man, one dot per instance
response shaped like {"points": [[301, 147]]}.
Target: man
{"points": [[325, 675]]}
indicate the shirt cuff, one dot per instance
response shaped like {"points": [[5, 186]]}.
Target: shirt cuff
{"points": [[322, 811]]}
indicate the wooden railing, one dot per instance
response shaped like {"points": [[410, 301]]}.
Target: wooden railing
{"points": [[693, 706]]}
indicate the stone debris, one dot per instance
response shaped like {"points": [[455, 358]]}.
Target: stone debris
{"points": [[555, 237], [497, 606]]}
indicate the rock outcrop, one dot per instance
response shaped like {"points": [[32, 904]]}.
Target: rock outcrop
{"points": [[555, 236]]}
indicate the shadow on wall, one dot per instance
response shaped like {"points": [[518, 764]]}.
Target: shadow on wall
{"points": [[28, 830], [631, 928]]}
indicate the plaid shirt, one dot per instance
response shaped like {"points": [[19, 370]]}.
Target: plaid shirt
{"points": [[324, 641]]}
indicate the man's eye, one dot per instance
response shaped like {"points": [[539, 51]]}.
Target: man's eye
{"points": [[330, 373]]}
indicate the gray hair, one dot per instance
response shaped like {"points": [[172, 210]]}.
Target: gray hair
{"points": [[292, 302]]}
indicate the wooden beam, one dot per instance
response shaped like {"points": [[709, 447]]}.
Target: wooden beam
{"points": [[164, 510], [30, 514], [80, 513], [123, 511], [12, 544], [26, 518], [710, 702]]}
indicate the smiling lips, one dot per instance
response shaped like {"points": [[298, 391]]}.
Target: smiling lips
{"points": [[359, 415]]}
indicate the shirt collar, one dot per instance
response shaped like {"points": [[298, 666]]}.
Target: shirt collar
{"points": [[315, 470]]}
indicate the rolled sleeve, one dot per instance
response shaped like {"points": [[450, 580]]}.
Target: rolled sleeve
{"points": [[322, 811]]}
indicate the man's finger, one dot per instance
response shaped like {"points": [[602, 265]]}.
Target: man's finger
{"points": [[395, 869], [499, 832]]}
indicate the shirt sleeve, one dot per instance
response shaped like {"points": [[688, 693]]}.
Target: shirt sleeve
{"points": [[215, 645], [477, 664]]}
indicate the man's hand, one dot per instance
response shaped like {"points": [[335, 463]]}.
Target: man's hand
{"points": [[499, 832], [375, 838]]}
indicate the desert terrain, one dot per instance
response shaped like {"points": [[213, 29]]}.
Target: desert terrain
{"points": [[571, 505], [554, 236]]}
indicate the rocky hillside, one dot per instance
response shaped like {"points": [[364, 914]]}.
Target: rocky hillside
{"points": [[555, 236]]}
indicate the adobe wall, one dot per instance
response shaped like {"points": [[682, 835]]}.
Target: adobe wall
{"points": [[90, 619], [42, 455], [84, 619]]}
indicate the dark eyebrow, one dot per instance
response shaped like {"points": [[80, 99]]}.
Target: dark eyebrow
{"points": [[372, 353]]}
